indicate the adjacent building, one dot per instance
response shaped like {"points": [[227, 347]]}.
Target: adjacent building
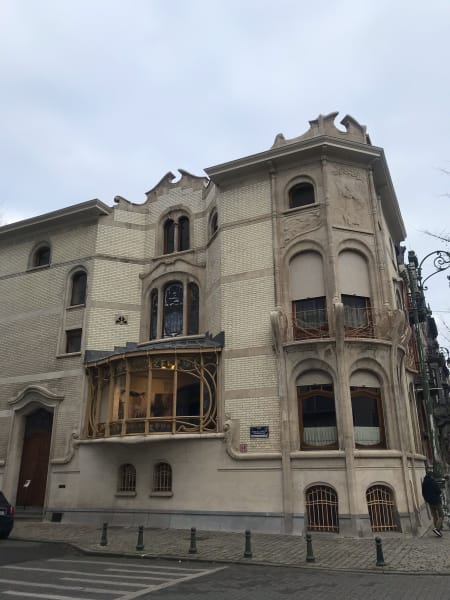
{"points": [[235, 352]]}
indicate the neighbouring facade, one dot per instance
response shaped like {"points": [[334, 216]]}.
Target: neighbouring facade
{"points": [[233, 353]]}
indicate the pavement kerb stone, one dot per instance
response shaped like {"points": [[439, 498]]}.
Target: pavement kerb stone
{"points": [[413, 556]]}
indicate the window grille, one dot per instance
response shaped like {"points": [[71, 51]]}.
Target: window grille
{"points": [[162, 478], [127, 478], [322, 509], [382, 511], [358, 316], [310, 318]]}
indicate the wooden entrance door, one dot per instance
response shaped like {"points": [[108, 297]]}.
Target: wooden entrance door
{"points": [[35, 456]]}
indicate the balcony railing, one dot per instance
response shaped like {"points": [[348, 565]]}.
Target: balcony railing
{"points": [[310, 324], [358, 322]]}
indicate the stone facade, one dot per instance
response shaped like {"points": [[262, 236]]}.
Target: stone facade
{"points": [[281, 268]]}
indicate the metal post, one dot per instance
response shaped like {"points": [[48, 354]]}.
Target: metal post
{"points": [[380, 557], [140, 540], [309, 549], [104, 538], [193, 546], [248, 544]]}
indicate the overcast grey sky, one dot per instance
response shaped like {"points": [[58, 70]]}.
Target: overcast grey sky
{"points": [[103, 97]]}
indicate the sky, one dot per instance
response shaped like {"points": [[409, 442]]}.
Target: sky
{"points": [[102, 97]]}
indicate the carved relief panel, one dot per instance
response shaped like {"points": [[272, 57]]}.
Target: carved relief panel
{"points": [[349, 197]]}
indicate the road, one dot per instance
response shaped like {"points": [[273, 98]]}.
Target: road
{"points": [[29, 570]]}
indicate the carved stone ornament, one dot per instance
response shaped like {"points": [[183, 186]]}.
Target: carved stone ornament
{"points": [[351, 204], [293, 227]]}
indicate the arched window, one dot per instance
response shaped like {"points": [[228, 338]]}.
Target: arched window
{"points": [[322, 509], [213, 223], [176, 234], [309, 310], [354, 285], [41, 256], [127, 478], [78, 291], [193, 308], [169, 236], [180, 310], [316, 411], [162, 477], [367, 410], [154, 314], [301, 194], [382, 510], [183, 234], [173, 309]]}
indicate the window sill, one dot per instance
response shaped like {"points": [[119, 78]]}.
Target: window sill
{"points": [[175, 253], [69, 354], [289, 211], [38, 267], [75, 306], [161, 494], [125, 494]]}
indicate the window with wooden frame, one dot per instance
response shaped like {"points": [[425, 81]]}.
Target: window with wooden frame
{"points": [[162, 477], [317, 417], [382, 510], [367, 417], [127, 478], [322, 509]]}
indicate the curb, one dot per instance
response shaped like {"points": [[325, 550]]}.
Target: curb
{"points": [[244, 562]]}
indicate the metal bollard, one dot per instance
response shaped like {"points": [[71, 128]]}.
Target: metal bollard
{"points": [[104, 538], [380, 557], [140, 540], [193, 546], [248, 544], [309, 549]]}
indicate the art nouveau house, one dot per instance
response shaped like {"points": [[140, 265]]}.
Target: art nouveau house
{"points": [[231, 353]]}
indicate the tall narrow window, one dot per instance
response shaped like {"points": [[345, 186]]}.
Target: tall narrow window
{"points": [[78, 291], [301, 195], [193, 308], [162, 477], [169, 236], [354, 284], [307, 291], [213, 223], [183, 233], [367, 416], [173, 310], [322, 509], [317, 415], [154, 314], [127, 478]]}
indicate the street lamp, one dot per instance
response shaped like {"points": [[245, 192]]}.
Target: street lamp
{"points": [[441, 262]]}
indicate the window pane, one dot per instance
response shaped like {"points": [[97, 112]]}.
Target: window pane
{"points": [[169, 236], [42, 257], [183, 233], [310, 312], [78, 295], [301, 195], [356, 311], [193, 309], [318, 416], [154, 314], [73, 341], [173, 310], [366, 417]]}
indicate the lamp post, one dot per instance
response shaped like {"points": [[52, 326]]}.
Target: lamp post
{"points": [[441, 262]]}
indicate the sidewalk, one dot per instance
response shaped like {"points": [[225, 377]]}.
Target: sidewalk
{"points": [[426, 555]]}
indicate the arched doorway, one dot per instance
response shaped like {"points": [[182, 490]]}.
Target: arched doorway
{"points": [[35, 457]]}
